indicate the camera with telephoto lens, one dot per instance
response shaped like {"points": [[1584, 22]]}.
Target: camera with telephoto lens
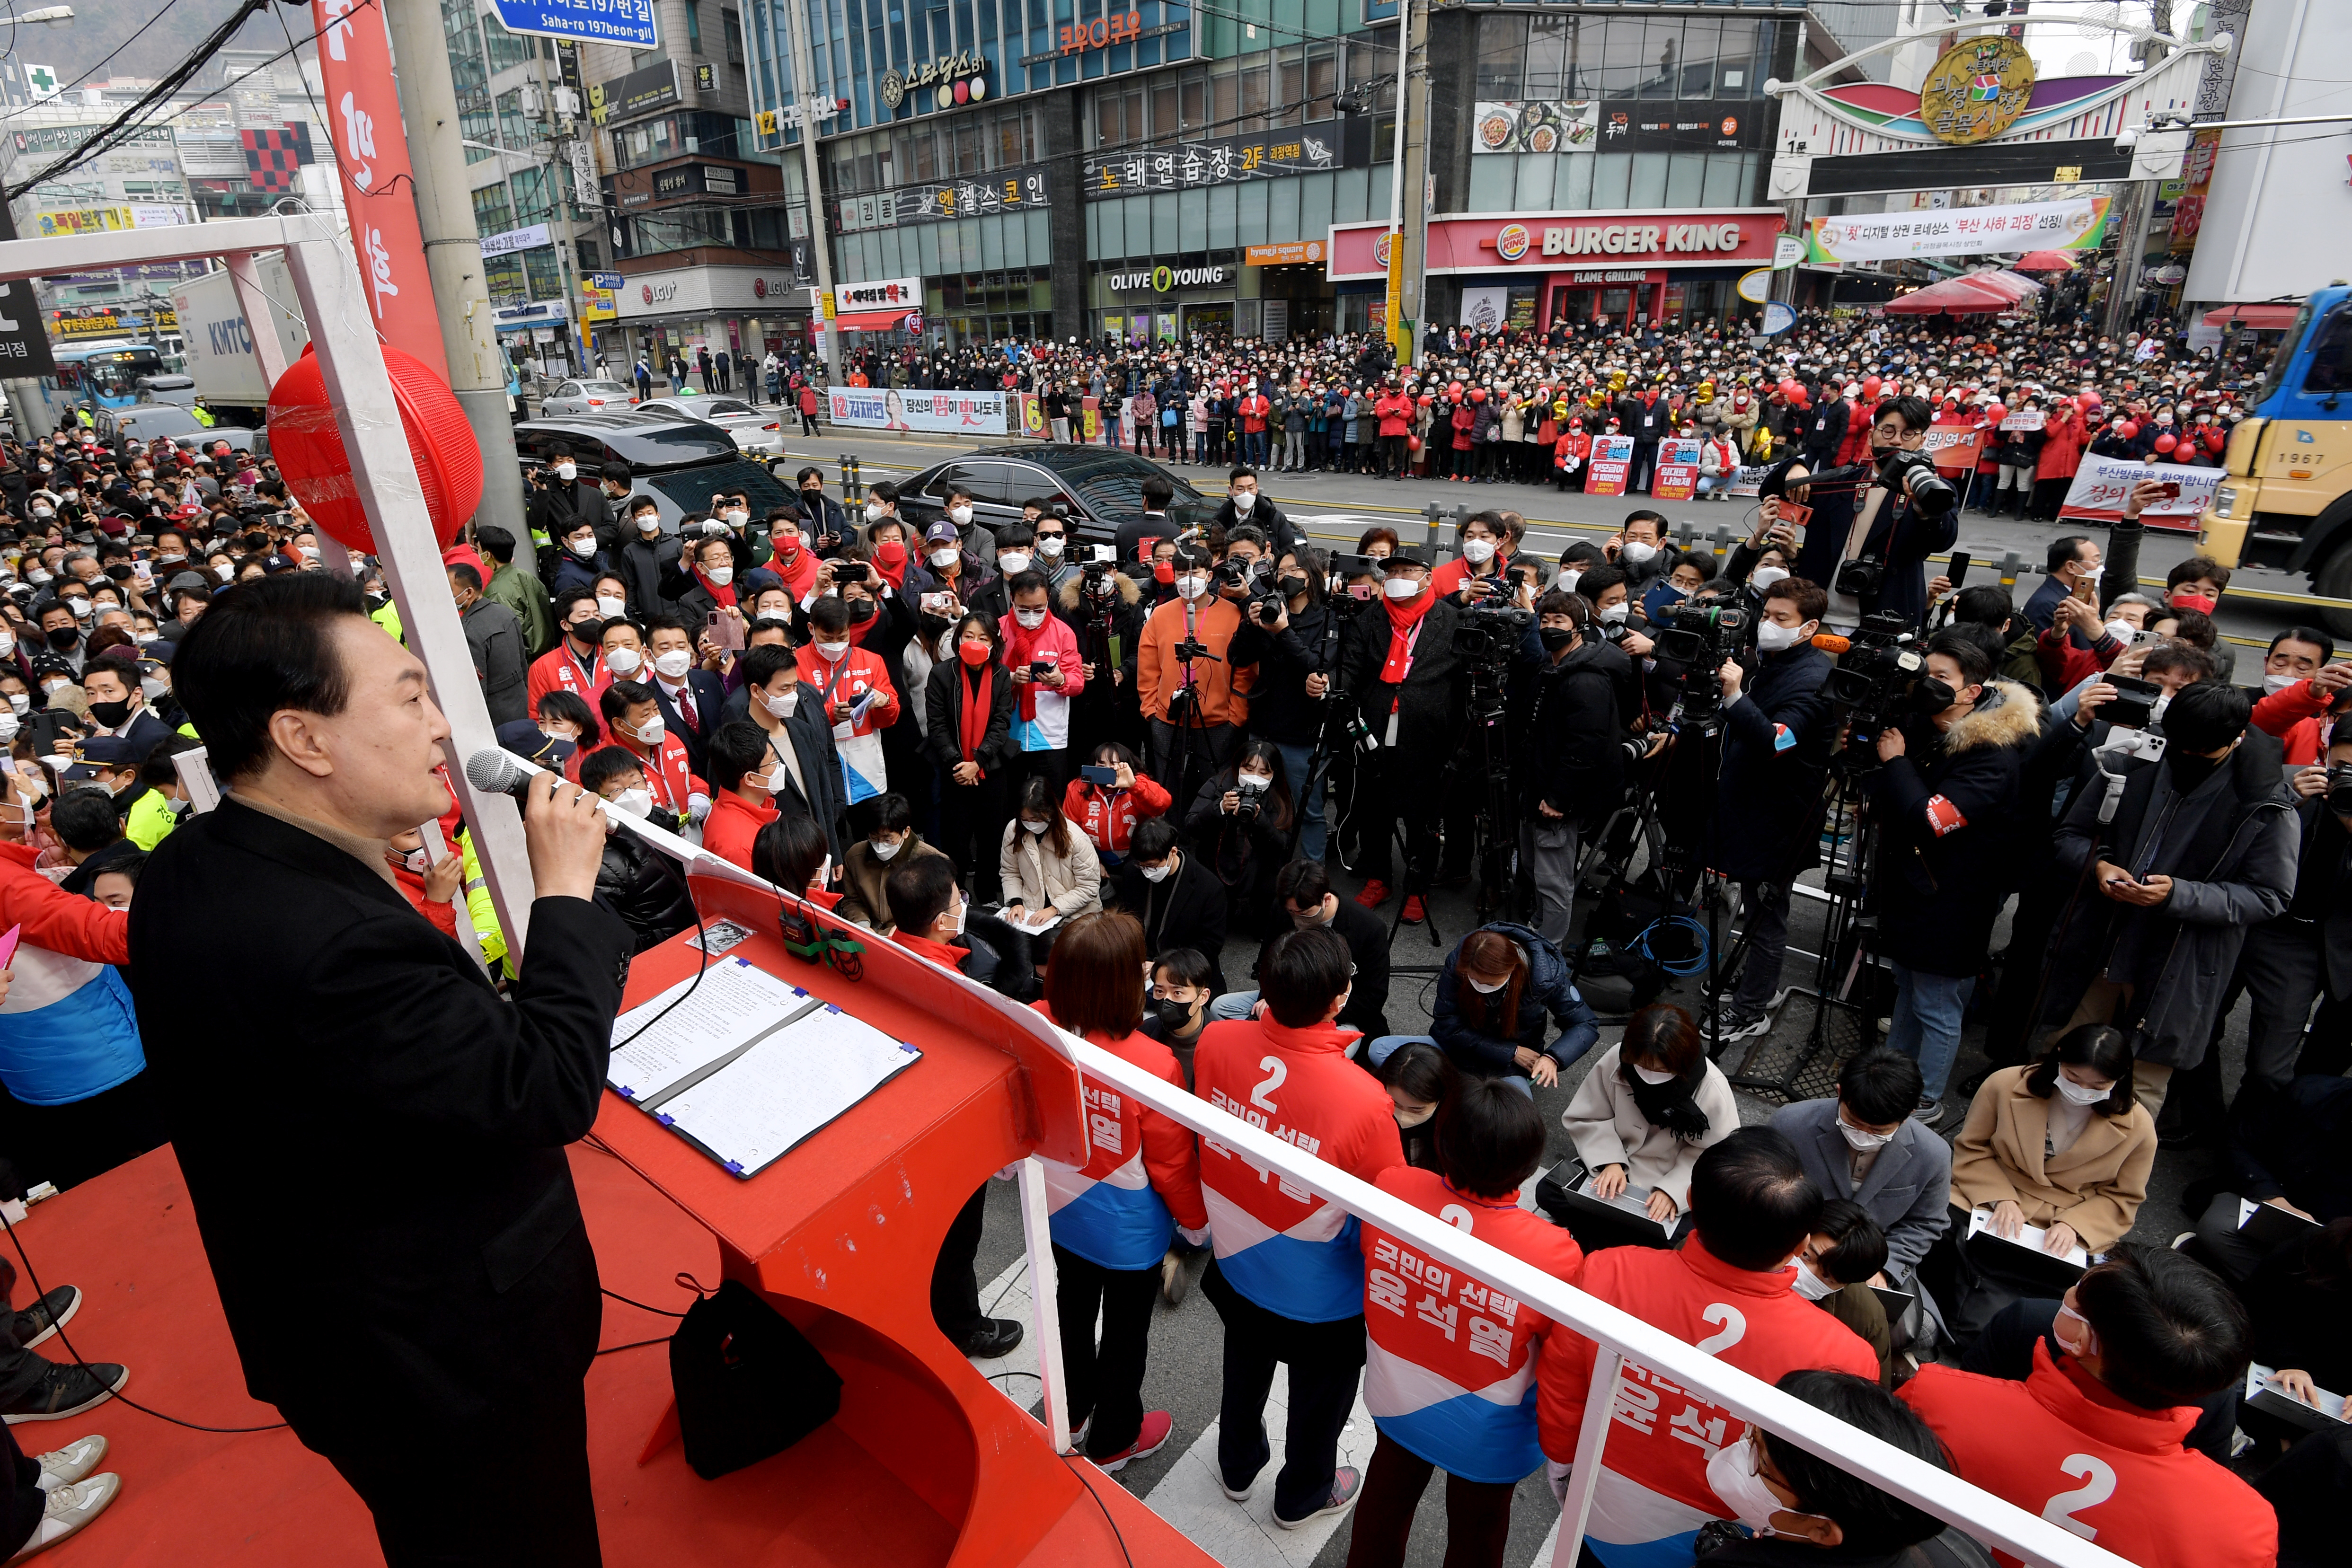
{"points": [[2340, 788], [1249, 787], [1701, 638]]}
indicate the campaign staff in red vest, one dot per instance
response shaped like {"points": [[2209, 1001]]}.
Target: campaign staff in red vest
{"points": [[1451, 1378], [1114, 1217], [2092, 1439], [1729, 1291], [576, 663], [1288, 1276]]}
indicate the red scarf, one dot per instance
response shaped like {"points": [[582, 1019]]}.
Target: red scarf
{"points": [[725, 595], [1404, 619], [973, 726]]}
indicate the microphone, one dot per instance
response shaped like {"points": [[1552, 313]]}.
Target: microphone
{"points": [[497, 772], [1827, 641]]}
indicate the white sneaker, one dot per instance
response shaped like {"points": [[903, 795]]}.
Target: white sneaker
{"points": [[69, 1507], [63, 1466]]}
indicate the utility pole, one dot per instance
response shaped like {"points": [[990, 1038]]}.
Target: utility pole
{"points": [[453, 254], [1409, 179], [802, 109], [2123, 291], [561, 126]]}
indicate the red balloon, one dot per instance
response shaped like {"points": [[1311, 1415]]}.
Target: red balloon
{"points": [[1477, 394], [1426, 399], [1996, 414], [1412, 443], [1455, 391], [310, 449], [1870, 386], [2166, 442], [2127, 429]]}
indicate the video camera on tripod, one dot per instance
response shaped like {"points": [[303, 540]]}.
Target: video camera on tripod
{"points": [[1873, 682], [1701, 638]]}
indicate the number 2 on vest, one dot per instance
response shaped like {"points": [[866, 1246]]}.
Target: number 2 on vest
{"points": [[2098, 1485], [1277, 1070]]}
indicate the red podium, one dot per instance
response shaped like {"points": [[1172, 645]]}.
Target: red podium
{"points": [[840, 1235]]}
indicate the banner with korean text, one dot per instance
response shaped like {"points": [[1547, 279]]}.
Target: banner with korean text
{"points": [[362, 109], [2074, 224], [934, 412], [1612, 459], [2101, 484], [1677, 475]]}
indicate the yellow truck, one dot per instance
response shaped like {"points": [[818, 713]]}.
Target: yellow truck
{"points": [[2285, 501]]}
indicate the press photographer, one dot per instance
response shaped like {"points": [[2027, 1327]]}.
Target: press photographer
{"points": [[1570, 767], [1401, 666], [1292, 634], [1908, 513], [1779, 724]]}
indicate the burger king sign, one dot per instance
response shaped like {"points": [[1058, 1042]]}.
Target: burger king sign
{"points": [[1511, 241]]}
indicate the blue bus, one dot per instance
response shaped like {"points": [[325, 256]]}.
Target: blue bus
{"points": [[104, 375]]}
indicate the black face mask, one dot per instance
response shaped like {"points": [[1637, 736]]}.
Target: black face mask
{"points": [[860, 610], [1932, 695], [64, 638], [1292, 586], [111, 715], [1172, 1015], [1554, 638]]}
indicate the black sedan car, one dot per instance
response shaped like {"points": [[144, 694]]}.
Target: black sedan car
{"points": [[1101, 487]]}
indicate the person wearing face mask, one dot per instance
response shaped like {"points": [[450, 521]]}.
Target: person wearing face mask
{"points": [[644, 887], [1863, 1146], [117, 707], [645, 558], [580, 561], [693, 700], [62, 628], [633, 719], [2142, 1339], [494, 639], [804, 778], [576, 663], [2201, 847], [1401, 665], [969, 701], [1046, 869], [1639, 549], [1795, 1509], [1753, 1209], [953, 567], [1500, 994], [1652, 1104], [742, 777], [1484, 558], [1015, 553], [2300, 679], [1246, 505], [706, 580], [1421, 1082], [1845, 1252], [1194, 709], [891, 840], [819, 514], [563, 500], [854, 689], [1178, 899], [1948, 804], [430, 885]]}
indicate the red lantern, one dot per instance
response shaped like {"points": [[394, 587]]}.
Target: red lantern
{"points": [[310, 449], [2166, 442]]}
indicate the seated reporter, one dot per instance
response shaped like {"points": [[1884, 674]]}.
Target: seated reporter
{"points": [[2286, 1150], [1863, 1145], [1302, 892], [1650, 1106], [1844, 1254], [1178, 899], [2062, 1145], [1801, 1509], [1045, 866], [1499, 995], [1242, 822], [891, 841], [1779, 729], [2297, 1302], [1421, 1080]]}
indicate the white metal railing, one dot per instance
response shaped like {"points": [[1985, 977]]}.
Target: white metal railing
{"points": [[1619, 1336]]}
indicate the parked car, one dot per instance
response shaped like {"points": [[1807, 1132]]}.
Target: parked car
{"points": [[144, 422], [681, 463], [1101, 487], [254, 440], [760, 429], [586, 397]]}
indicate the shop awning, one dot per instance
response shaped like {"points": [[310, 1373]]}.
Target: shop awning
{"points": [[870, 320], [2255, 318]]}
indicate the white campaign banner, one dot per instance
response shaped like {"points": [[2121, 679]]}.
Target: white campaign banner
{"points": [[2101, 484], [1955, 231], [935, 412]]}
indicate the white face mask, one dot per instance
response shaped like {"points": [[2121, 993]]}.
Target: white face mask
{"points": [[875, 511], [735, 516], [1012, 562], [1764, 576], [1809, 1285], [885, 848], [223, 572], [674, 665], [1861, 1140], [1244, 500], [151, 687], [1568, 579], [8, 726], [636, 802], [832, 652], [567, 472], [1615, 614], [721, 576], [2080, 1095], [1482, 987], [2122, 631], [610, 608], [649, 522], [1157, 873], [1192, 586], [1653, 1076], [585, 547], [1639, 550], [1030, 619], [2156, 709], [20, 702], [1029, 827], [1478, 552], [963, 908], [944, 559], [1409, 1120], [1050, 545], [959, 516], [2273, 684], [1400, 587], [650, 732], [624, 662], [1772, 637], [1731, 1476]]}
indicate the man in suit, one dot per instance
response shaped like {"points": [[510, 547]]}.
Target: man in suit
{"points": [[1863, 1145], [792, 716], [691, 699], [118, 706], [381, 1064]]}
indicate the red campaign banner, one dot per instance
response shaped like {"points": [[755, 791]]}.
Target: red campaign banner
{"points": [[1953, 447], [364, 121], [1613, 460], [1678, 476]]}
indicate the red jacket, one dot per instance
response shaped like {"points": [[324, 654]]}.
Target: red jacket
{"points": [[731, 826], [1451, 575], [1662, 1435], [2302, 743], [556, 670], [2064, 664], [858, 672], [2061, 1445], [1462, 421], [2062, 446], [1123, 1135], [668, 776], [55, 919], [1108, 816], [1572, 444], [2281, 711], [1395, 413], [1255, 408], [441, 913]]}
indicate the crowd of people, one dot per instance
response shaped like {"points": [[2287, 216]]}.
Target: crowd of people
{"points": [[1075, 781]]}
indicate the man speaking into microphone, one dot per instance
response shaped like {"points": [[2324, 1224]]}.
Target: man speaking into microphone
{"points": [[372, 1138]]}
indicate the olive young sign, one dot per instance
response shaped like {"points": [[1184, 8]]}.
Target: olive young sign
{"points": [[1162, 279]]}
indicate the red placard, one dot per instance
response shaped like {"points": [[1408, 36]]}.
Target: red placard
{"points": [[1612, 459], [363, 111]]}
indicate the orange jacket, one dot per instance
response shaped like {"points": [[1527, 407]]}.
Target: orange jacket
{"points": [[1222, 690]]}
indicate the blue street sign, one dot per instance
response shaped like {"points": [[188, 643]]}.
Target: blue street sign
{"points": [[626, 24], [1779, 317]]}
